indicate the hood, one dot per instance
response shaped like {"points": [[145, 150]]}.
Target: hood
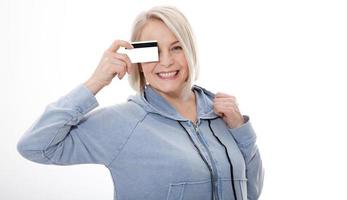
{"points": [[153, 102]]}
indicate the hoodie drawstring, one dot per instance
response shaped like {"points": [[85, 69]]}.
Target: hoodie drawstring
{"points": [[203, 158], [226, 151]]}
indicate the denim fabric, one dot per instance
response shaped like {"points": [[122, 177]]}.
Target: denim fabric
{"points": [[151, 150]]}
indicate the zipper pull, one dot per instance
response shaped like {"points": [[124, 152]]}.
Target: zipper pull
{"points": [[196, 128]]}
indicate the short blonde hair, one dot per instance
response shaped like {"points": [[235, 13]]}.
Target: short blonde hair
{"points": [[180, 27]]}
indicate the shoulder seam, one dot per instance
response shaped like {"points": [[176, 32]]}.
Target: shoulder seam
{"points": [[124, 144]]}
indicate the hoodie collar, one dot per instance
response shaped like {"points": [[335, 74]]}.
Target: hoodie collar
{"points": [[153, 102]]}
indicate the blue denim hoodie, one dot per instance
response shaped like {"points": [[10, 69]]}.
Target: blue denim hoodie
{"points": [[151, 151]]}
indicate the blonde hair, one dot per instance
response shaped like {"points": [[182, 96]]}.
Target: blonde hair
{"points": [[180, 27]]}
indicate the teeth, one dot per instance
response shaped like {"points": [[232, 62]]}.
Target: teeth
{"points": [[167, 74]]}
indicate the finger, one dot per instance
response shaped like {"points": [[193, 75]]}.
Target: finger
{"points": [[221, 94], [119, 65], [226, 108], [123, 74], [121, 69], [218, 111], [120, 75], [118, 43], [125, 59], [227, 104], [223, 106], [226, 101], [117, 62], [224, 98], [229, 97], [231, 104]]}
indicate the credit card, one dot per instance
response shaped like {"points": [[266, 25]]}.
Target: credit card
{"points": [[143, 51]]}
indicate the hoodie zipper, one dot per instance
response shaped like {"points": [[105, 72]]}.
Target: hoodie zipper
{"points": [[214, 169]]}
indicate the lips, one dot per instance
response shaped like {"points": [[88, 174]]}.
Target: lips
{"points": [[168, 75]]}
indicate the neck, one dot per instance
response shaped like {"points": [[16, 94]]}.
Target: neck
{"points": [[181, 98], [183, 101]]}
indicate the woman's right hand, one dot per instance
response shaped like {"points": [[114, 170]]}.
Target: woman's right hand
{"points": [[110, 65]]}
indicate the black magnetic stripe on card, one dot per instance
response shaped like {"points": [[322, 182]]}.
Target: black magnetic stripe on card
{"points": [[147, 44]]}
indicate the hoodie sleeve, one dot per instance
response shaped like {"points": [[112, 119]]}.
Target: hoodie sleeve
{"points": [[246, 140], [65, 134]]}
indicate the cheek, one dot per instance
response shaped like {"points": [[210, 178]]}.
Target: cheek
{"points": [[147, 68], [182, 60]]}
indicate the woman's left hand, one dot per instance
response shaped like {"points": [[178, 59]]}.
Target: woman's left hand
{"points": [[226, 107]]}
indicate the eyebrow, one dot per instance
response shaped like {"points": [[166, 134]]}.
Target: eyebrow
{"points": [[170, 44], [174, 42]]}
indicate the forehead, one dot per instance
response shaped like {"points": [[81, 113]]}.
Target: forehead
{"points": [[157, 30]]}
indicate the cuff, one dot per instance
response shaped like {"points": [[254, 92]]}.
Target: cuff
{"points": [[81, 99], [245, 133]]}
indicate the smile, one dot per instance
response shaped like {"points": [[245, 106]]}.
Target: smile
{"points": [[168, 75]]}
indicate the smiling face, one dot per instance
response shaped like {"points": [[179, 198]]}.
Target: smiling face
{"points": [[168, 76]]}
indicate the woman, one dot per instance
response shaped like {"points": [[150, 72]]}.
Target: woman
{"points": [[172, 140]]}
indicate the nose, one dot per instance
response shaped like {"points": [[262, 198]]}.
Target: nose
{"points": [[165, 59]]}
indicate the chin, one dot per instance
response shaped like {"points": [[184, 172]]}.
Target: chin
{"points": [[170, 87]]}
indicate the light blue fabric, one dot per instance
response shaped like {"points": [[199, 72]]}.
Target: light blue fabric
{"points": [[151, 150]]}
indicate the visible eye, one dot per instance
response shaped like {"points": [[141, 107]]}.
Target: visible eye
{"points": [[177, 48], [174, 49]]}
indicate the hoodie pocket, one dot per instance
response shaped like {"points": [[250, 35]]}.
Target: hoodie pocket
{"points": [[190, 190]]}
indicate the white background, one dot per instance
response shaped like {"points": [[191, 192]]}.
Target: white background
{"points": [[283, 60]]}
